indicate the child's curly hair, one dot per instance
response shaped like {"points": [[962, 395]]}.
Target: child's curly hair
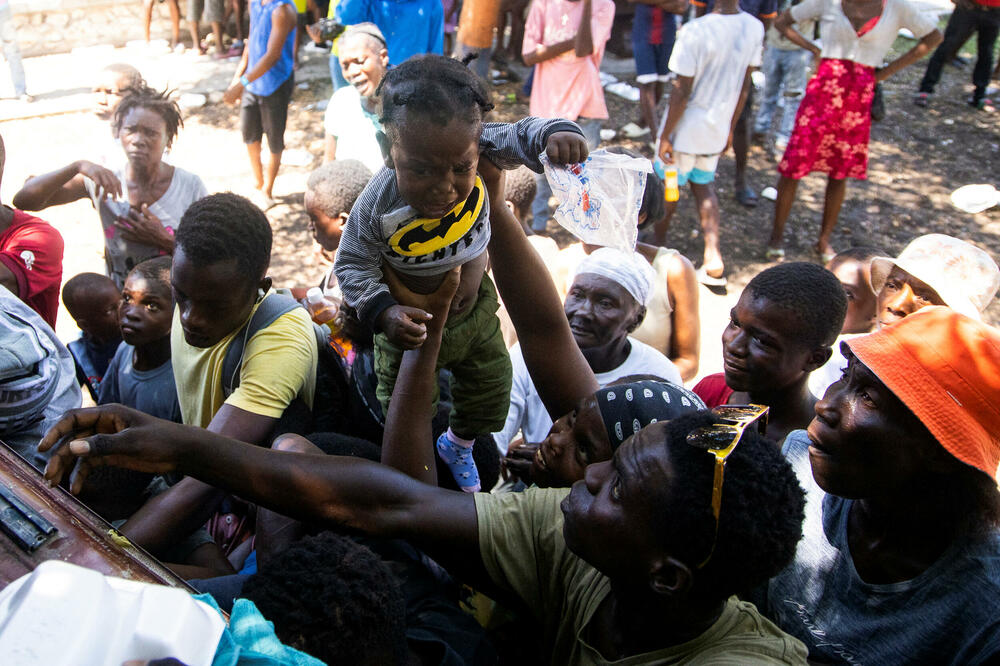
{"points": [[438, 87]]}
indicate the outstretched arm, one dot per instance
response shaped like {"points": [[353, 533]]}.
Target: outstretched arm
{"points": [[407, 444], [65, 185], [332, 490], [554, 361]]}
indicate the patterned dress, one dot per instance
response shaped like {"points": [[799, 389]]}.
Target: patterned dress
{"points": [[833, 123]]}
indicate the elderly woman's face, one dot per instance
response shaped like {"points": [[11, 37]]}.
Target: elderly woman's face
{"points": [[864, 441], [600, 311], [363, 65]]}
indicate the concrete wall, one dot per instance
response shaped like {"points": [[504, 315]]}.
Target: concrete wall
{"points": [[58, 26]]}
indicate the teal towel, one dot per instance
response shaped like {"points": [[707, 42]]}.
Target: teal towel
{"points": [[249, 640]]}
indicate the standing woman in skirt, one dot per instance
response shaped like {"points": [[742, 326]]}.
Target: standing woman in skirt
{"points": [[833, 122]]}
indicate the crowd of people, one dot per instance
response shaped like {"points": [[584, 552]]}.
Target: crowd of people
{"points": [[467, 444]]}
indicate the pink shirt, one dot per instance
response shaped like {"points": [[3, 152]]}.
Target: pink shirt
{"points": [[567, 86]]}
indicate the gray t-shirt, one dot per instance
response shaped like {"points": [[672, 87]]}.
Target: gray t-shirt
{"points": [[121, 255], [37, 378], [151, 391], [949, 614]]}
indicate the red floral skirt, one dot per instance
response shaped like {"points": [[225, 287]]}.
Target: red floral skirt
{"points": [[833, 123]]}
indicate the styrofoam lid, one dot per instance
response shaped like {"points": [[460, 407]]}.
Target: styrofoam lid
{"points": [[63, 614]]}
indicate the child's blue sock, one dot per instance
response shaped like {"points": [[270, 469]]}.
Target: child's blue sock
{"points": [[457, 454]]}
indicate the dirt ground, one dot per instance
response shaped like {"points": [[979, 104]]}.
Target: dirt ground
{"points": [[918, 157]]}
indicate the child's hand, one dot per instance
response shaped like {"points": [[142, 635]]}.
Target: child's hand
{"points": [[436, 304], [566, 148], [405, 327]]}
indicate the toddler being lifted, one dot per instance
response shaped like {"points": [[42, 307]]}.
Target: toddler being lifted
{"points": [[428, 213]]}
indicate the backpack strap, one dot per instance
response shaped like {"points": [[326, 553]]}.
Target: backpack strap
{"points": [[272, 307]]}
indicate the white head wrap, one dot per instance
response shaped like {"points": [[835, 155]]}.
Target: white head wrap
{"points": [[629, 269]]}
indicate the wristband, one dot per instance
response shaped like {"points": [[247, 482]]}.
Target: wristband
{"points": [[245, 81]]}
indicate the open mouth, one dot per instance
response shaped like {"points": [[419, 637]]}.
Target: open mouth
{"points": [[540, 459]]}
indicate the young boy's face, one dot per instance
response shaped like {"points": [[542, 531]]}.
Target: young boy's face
{"points": [[435, 164], [146, 310], [326, 230], [856, 277], [761, 347], [97, 314]]}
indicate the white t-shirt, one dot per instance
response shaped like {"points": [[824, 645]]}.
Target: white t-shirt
{"points": [[716, 51], [841, 41], [354, 128], [122, 255], [528, 415]]}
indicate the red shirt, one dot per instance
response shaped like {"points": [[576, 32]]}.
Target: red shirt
{"points": [[32, 249], [713, 390]]}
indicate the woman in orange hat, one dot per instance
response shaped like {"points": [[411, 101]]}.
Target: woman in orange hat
{"points": [[901, 545]]}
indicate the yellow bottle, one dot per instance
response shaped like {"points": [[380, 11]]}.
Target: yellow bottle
{"points": [[671, 192]]}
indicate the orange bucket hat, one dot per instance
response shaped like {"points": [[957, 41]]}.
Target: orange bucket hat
{"points": [[945, 367]]}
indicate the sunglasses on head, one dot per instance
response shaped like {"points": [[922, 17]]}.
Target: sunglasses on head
{"points": [[720, 440]]}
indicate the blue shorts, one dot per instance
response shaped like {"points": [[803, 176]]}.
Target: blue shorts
{"points": [[653, 33]]}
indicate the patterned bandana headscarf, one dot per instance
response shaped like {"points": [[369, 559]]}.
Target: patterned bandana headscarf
{"points": [[628, 408]]}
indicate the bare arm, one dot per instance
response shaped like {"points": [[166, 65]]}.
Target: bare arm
{"points": [[171, 515], [557, 367], [680, 91], [929, 42], [64, 185], [583, 45], [8, 280], [784, 26], [331, 490], [744, 93], [548, 52], [283, 21], [407, 444], [685, 327], [330, 150]]}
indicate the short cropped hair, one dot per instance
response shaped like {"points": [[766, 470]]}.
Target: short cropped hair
{"points": [[760, 521], [436, 87], [226, 226], [333, 598], [861, 254], [810, 294], [521, 187], [159, 102], [156, 269], [127, 74], [82, 284], [336, 185]]}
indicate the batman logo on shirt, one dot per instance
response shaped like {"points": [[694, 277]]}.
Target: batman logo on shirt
{"points": [[423, 235]]}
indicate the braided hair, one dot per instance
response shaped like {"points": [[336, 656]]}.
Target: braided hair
{"points": [[437, 87], [143, 96]]}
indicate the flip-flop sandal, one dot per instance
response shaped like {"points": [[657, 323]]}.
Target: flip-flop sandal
{"points": [[747, 197], [922, 99], [709, 280], [775, 254]]}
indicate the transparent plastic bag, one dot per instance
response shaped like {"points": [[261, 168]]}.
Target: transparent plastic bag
{"points": [[599, 199]]}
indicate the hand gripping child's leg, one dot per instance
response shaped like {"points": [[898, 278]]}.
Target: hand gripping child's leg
{"points": [[456, 452]]}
